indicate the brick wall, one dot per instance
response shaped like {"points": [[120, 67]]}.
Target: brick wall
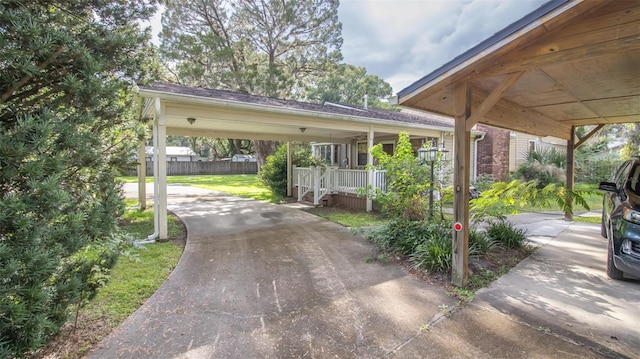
{"points": [[493, 152]]}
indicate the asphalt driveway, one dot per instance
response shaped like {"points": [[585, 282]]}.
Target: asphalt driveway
{"points": [[258, 280]]}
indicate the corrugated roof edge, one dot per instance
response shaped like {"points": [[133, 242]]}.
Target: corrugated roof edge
{"points": [[500, 35]]}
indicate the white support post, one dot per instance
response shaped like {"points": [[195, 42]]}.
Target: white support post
{"points": [[142, 176], [289, 176], [315, 172], [370, 164], [162, 171]]}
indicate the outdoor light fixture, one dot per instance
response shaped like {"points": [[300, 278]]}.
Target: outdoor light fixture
{"points": [[430, 156], [191, 120], [302, 129]]}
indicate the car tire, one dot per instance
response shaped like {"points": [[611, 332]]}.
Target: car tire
{"points": [[612, 271]]}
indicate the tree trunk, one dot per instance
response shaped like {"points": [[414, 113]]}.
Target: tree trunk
{"points": [[263, 149]]}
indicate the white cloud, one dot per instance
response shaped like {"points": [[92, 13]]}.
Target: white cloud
{"points": [[402, 41]]}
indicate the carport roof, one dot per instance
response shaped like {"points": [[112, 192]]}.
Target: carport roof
{"points": [[220, 113], [568, 63]]}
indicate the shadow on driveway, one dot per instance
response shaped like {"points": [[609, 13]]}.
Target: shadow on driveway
{"points": [[271, 281]]}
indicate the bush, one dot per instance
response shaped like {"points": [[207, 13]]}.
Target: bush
{"points": [[435, 254], [546, 167], [427, 244], [273, 173], [480, 243], [505, 233]]}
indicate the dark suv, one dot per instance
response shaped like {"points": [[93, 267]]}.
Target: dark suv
{"points": [[621, 220]]}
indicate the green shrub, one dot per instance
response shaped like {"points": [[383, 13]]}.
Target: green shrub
{"points": [[480, 243], [505, 233], [273, 173], [434, 254]]}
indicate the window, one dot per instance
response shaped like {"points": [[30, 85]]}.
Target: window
{"points": [[323, 152], [388, 148], [362, 153]]}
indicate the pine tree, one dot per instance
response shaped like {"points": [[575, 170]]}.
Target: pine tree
{"points": [[68, 70]]}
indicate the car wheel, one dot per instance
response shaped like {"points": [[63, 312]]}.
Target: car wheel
{"points": [[612, 271]]}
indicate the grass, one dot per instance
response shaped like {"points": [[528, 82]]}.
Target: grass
{"points": [[132, 281], [348, 218], [247, 186]]}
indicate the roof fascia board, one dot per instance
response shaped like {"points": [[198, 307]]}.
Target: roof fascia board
{"points": [[444, 72]]}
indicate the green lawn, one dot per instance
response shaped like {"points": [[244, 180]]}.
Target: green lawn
{"points": [[135, 278], [247, 186], [349, 218]]}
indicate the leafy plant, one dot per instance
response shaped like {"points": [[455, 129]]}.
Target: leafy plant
{"points": [[435, 254], [408, 182], [273, 173], [504, 232], [480, 243], [508, 198]]}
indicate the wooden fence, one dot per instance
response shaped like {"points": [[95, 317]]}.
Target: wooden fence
{"points": [[186, 168]]}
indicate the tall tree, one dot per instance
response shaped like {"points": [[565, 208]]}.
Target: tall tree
{"points": [[348, 84], [67, 77], [259, 47]]}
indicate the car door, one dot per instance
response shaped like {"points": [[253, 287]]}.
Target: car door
{"points": [[612, 205], [612, 201]]}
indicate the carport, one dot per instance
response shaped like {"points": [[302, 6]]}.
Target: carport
{"points": [[190, 111], [569, 63]]}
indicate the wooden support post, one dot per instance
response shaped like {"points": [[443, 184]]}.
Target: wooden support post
{"points": [[462, 158], [568, 213]]}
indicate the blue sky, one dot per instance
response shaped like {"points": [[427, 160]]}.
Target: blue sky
{"points": [[403, 40]]}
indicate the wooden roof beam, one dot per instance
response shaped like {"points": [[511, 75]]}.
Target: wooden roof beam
{"points": [[506, 114], [492, 99], [588, 136]]}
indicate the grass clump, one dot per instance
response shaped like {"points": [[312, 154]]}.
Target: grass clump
{"points": [[502, 231]]}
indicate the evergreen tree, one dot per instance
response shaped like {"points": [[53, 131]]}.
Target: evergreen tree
{"points": [[67, 76]]}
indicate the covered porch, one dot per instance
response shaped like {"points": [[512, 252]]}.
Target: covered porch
{"points": [[189, 111]]}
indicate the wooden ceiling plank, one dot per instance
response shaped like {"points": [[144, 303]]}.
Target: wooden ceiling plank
{"points": [[615, 13], [491, 100], [618, 46], [605, 120]]}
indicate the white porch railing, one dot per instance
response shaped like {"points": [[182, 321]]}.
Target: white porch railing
{"points": [[323, 180]]}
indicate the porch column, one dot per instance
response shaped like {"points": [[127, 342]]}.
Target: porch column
{"points": [[289, 171], [370, 164], [462, 98], [570, 173], [160, 178], [142, 176]]}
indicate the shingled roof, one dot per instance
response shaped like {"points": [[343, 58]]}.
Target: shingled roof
{"points": [[428, 120]]}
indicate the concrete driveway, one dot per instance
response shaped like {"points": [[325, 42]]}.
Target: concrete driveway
{"points": [[258, 280]]}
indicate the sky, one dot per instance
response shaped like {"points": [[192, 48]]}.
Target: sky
{"points": [[401, 41]]}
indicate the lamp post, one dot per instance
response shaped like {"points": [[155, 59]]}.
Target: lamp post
{"points": [[430, 155]]}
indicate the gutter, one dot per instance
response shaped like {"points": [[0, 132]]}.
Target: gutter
{"points": [[475, 155]]}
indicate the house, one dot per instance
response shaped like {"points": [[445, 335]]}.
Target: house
{"points": [[500, 151], [175, 154]]}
